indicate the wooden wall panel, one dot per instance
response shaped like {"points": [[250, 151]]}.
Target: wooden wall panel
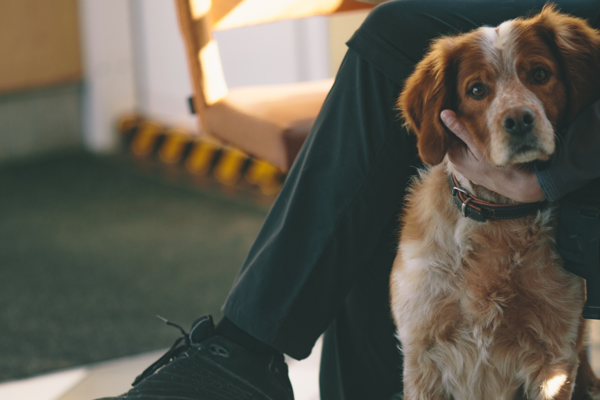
{"points": [[39, 43]]}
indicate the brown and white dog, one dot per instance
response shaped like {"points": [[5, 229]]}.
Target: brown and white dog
{"points": [[484, 310]]}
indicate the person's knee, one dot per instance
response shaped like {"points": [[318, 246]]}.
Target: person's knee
{"points": [[408, 26], [403, 13], [393, 13]]}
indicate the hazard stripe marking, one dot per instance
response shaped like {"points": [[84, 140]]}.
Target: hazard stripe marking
{"points": [[173, 146], [198, 155], [145, 138]]}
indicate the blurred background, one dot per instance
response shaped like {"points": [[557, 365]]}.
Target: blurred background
{"points": [[142, 143], [115, 205]]}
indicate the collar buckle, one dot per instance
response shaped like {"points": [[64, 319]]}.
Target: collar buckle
{"points": [[463, 208], [481, 210], [458, 189]]}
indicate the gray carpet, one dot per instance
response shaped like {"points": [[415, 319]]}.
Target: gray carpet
{"points": [[91, 249]]}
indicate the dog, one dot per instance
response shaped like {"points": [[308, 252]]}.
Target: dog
{"points": [[482, 305]]}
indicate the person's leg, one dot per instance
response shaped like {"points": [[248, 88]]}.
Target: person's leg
{"points": [[360, 357], [345, 187]]}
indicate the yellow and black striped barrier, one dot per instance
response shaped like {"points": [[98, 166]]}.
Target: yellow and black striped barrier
{"points": [[199, 156]]}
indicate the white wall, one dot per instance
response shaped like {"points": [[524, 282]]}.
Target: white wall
{"points": [[161, 75], [134, 59], [280, 52], [275, 53], [108, 90]]}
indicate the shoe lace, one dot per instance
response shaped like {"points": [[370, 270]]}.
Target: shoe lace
{"points": [[171, 354]]}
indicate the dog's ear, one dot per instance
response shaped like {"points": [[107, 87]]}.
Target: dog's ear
{"points": [[427, 92], [578, 48]]}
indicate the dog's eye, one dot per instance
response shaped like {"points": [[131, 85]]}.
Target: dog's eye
{"points": [[540, 75], [477, 91]]}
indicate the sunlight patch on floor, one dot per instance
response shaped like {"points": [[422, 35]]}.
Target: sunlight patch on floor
{"points": [[44, 387], [113, 378]]}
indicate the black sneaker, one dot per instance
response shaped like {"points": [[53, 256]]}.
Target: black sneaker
{"points": [[210, 367]]}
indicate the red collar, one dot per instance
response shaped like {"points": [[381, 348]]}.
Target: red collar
{"points": [[481, 210]]}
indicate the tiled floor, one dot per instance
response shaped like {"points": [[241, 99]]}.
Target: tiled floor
{"points": [[114, 377]]}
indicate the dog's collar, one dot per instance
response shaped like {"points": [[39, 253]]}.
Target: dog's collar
{"points": [[481, 210]]}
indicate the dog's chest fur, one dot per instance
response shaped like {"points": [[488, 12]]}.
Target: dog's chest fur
{"points": [[478, 300]]}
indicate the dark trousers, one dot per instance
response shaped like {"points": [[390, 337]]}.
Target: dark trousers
{"points": [[323, 257]]}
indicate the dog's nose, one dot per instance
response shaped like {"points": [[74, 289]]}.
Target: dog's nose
{"points": [[519, 121]]}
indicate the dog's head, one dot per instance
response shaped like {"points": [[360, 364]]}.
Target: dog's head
{"points": [[511, 86]]}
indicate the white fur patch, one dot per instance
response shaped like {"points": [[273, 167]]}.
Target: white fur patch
{"points": [[505, 35], [489, 40], [498, 45]]}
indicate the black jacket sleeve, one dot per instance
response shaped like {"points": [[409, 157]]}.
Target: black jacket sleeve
{"points": [[576, 161], [578, 241], [571, 178]]}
